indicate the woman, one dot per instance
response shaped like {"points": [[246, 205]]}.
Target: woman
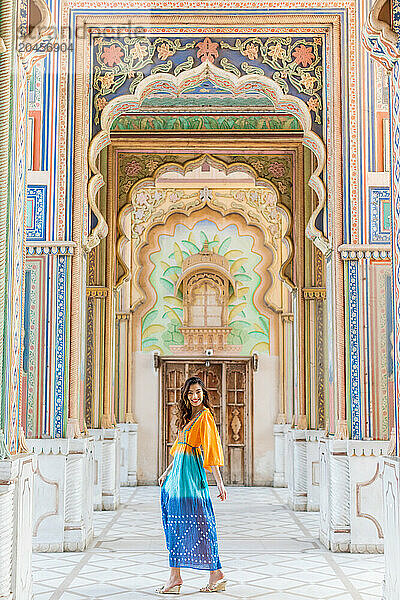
{"points": [[188, 516]]}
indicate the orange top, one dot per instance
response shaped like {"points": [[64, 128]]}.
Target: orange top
{"points": [[202, 431]]}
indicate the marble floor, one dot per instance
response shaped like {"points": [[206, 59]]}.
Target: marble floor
{"points": [[267, 551]]}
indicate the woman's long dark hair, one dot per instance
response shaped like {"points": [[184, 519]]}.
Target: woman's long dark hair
{"points": [[184, 406]]}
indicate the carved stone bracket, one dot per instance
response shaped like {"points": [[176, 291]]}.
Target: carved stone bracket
{"points": [[96, 291], [314, 293]]}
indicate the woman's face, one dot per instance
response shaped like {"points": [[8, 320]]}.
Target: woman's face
{"points": [[195, 395]]}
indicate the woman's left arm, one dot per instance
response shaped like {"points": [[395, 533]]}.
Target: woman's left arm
{"points": [[220, 483]]}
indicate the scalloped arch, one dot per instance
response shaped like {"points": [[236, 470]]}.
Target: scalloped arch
{"points": [[177, 86], [196, 200]]}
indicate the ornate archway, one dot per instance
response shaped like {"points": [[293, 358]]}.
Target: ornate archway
{"points": [[231, 85]]}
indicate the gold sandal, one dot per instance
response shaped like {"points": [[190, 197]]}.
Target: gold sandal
{"points": [[174, 590], [215, 587]]}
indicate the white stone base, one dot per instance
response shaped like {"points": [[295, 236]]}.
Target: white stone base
{"points": [[107, 459], [16, 491], [63, 494], [128, 453], [351, 503], [313, 468], [297, 482], [279, 456], [390, 470], [286, 429]]}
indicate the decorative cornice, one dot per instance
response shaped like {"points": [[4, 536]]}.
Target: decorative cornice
{"points": [[358, 252], [314, 293], [96, 291], [50, 248], [379, 38]]}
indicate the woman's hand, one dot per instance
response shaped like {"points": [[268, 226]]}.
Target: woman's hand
{"points": [[220, 483], [163, 477], [222, 491]]}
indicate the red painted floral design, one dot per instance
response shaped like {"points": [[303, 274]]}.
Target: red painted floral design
{"points": [[164, 51], [132, 168], [276, 169], [207, 50], [304, 55], [112, 55]]}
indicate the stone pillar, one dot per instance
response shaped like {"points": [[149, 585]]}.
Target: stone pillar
{"points": [[297, 482], [128, 453], [366, 500], [351, 503], [279, 458], [16, 486], [63, 491], [107, 468], [324, 505], [339, 496], [78, 527], [390, 470], [334, 495], [286, 429], [313, 468]]}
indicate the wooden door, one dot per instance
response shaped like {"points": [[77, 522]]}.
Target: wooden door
{"points": [[237, 444], [229, 391], [173, 377]]}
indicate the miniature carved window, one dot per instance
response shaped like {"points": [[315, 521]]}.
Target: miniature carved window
{"points": [[206, 306], [206, 302]]}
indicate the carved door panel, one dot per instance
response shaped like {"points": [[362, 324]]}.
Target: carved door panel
{"points": [[236, 423], [228, 387]]}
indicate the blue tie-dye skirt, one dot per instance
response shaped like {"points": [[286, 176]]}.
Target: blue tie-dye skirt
{"points": [[188, 515]]}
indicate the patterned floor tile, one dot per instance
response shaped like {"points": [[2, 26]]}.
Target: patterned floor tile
{"points": [[279, 556]]}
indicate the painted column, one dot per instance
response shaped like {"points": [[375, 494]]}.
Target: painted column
{"points": [[108, 416]]}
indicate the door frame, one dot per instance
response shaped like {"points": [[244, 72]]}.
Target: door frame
{"points": [[248, 361]]}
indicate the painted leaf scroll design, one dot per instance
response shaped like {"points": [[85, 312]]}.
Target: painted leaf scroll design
{"points": [[161, 326]]}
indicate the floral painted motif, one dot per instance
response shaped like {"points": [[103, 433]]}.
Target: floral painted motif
{"points": [[303, 55], [294, 62], [164, 51], [207, 50], [277, 169], [251, 51], [276, 52], [112, 55]]}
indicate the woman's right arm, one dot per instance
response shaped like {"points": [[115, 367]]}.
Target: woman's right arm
{"points": [[162, 477]]}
